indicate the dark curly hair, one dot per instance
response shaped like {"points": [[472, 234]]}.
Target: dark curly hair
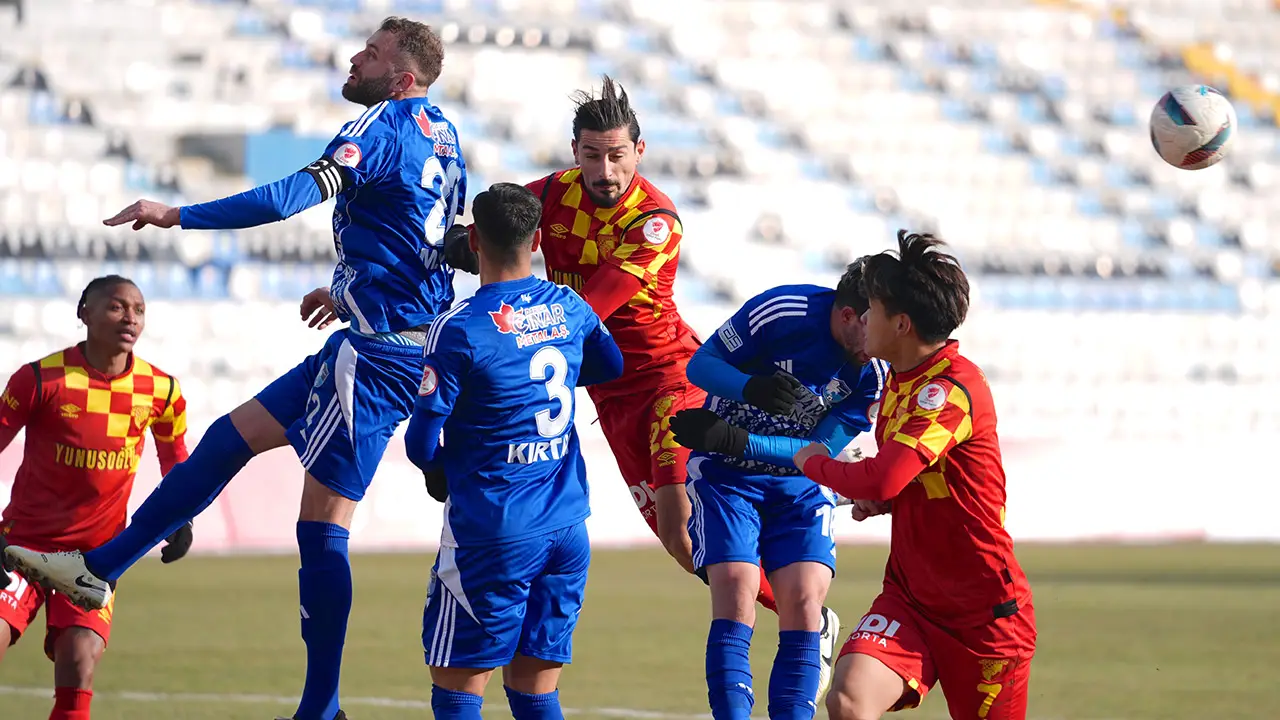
{"points": [[921, 281]]}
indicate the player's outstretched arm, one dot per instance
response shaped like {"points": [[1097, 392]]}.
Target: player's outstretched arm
{"points": [[704, 431], [609, 288], [264, 204], [601, 358]]}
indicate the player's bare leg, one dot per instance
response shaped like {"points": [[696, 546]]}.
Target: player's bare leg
{"points": [[6, 639], [673, 509], [257, 428], [734, 586], [532, 686], [801, 669], [863, 688], [76, 653], [324, 589]]}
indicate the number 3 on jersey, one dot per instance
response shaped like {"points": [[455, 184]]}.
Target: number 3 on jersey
{"points": [[551, 359], [443, 181]]}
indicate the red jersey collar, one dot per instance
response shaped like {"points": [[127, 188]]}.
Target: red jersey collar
{"points": [[77, 356], [948, 351]]}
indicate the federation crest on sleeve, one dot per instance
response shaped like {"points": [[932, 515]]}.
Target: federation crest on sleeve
{"points": [[429, 381], [656, 230], [931, 397], [347, 155]]}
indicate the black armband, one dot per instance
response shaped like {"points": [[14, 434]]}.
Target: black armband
{"points": [[328, 176]]}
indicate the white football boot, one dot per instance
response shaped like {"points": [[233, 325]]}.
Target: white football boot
{"points": [[827, 642], [64, 572]]}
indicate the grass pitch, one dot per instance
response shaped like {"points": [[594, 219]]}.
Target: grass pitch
{"points": [[1126, 632]]}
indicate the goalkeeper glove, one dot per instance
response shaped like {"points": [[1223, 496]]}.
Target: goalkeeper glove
{"points": [[437, 485], [775, 394], [457, 250], [176, 545], [704, 431]]}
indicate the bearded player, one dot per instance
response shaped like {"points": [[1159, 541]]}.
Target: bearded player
{"points": [[956, 606], [86, 410], [614, 237]]}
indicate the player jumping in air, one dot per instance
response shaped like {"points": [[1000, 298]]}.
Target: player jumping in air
{"points": [[498, 379], [399, 180], [613, 236], [956, 606], [787, 368], [86, 410]]}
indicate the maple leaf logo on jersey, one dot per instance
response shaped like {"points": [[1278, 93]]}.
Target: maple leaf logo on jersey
{"points": [[504, 319], [424, 122]]}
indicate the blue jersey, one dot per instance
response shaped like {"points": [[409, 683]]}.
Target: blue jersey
{"points": [[788, 329], [499, 379], [400, 182]]}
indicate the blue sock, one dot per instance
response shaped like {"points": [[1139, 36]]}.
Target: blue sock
{"points": [[324, 589], [534, 707], [729, 670], [793, 684], [184, 493], [454, 704]]}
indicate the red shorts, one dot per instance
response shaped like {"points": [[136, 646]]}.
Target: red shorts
{"points": [[21, 601], [637, 428], [984, 672]]}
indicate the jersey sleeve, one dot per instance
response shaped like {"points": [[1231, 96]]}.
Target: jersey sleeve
{"points": [[939, 417], [17, 403], [855, 411], [170, 431], [601, 358], [360, 154], [650, 242], [760, 323], [447, 361]]}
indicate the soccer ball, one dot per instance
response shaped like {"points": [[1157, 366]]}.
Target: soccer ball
{"points": [[1192, 127]]}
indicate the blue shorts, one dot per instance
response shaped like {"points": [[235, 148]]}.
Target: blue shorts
{"points": [[340, 407], [758, 519], [485, 604]]}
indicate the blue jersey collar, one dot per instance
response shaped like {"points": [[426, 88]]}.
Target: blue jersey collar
{"points": [[509, 286]]}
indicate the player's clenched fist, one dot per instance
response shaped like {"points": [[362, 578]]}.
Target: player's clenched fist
{"points": [[458, 252], [702, 430], [863, 509], [775, 394], [144, 213]]}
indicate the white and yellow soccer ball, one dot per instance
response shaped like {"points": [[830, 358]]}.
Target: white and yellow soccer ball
{"points": [[1193, 127]]}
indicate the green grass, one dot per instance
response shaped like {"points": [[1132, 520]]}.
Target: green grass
{"points": [[1161, 632]]}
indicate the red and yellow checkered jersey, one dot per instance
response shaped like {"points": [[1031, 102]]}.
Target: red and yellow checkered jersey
{"points": [[949, 550], [85, 435], [640, 236]]}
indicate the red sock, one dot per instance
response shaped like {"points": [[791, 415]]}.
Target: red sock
{"points": [[71, 704], [765, 597]]}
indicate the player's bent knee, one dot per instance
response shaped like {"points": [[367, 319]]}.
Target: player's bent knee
{"points": [[468, 680], [800, 590], [863, 688], [76, 653], [734, 588], [261, 431], [532, 676], [843, 706], [321, 503]]}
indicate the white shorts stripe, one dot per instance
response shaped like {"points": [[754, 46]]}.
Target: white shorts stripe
{"points": [[321, 433]]}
